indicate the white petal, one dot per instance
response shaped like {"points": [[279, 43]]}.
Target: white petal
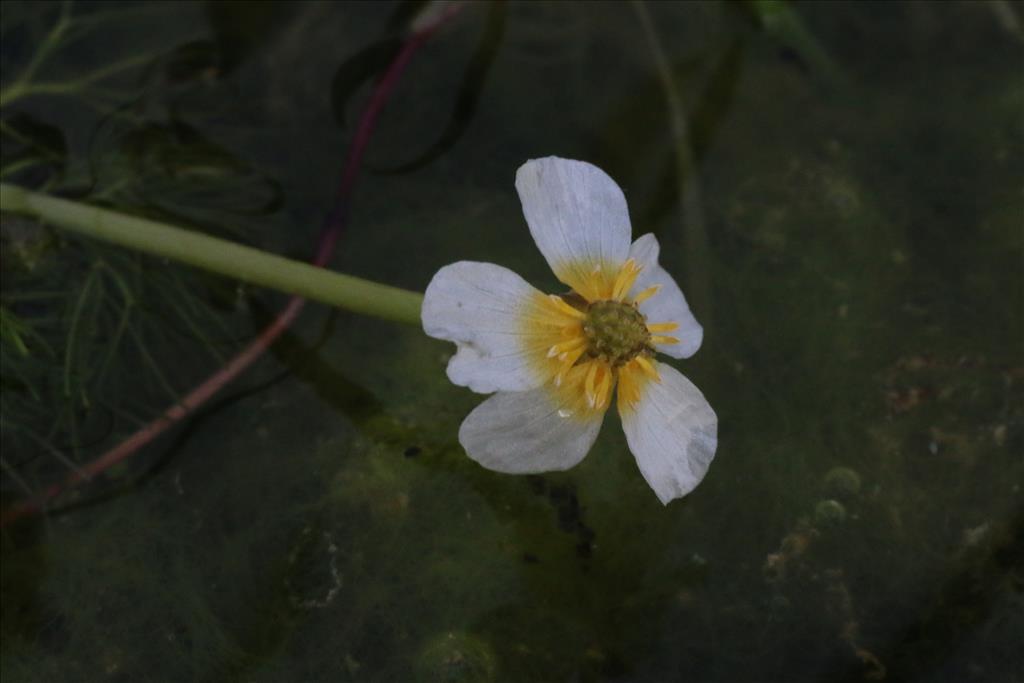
{"points": [[479, 306], [577, 216], [673, 433], [526, 432], [668, 305]]}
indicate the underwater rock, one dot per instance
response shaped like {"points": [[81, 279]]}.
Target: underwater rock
{"points": [[455, 657]]}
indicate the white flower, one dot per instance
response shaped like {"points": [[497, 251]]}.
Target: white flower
{"points": [[555, 360]]}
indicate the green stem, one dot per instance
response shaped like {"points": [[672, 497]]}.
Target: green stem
{"points": [[698, 278], [218, 256], [22, 88], [781, 20], [19, 88]]}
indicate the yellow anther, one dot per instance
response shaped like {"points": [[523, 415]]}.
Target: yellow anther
{"points": [[632, 378], [604, 388], [589, 385], [598, 385], [566, 362], [647, 367], [663, 327], [629, 386], [625, 279], [646, 294], [565, 308], [577, 342], [660, 339], [569, 358]]}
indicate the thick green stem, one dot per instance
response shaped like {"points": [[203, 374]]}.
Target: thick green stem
{"points": [[218, 256]]}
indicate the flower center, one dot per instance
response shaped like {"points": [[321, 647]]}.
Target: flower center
{"points": [[615, 332]]}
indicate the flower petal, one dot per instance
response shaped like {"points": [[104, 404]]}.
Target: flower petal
{"points": [[481, 307], [668, 305], [673, 433], [528, 431], [578, 218]]}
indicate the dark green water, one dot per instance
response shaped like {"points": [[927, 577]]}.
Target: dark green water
{"points": [[859, 186]]}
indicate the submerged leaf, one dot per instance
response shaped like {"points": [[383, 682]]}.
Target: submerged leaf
{"points": [[357, 70], [471, 88], [31, 143]]}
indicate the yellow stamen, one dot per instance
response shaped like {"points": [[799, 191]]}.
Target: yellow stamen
{"points": [[646, 294], [632, 378], [597, 386], [588, 384], [647, 367], [565, 308], [550, 329], [566, 361], [590, 279], [604, 389], [571, 393], [662, 327], [560, 349], [629, 388], [625, 279], [660, 339]]}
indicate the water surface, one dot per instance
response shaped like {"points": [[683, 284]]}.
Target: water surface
{"points": [[856, 193]]}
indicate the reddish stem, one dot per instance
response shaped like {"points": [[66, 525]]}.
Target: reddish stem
{"points": [[333, 227]]}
